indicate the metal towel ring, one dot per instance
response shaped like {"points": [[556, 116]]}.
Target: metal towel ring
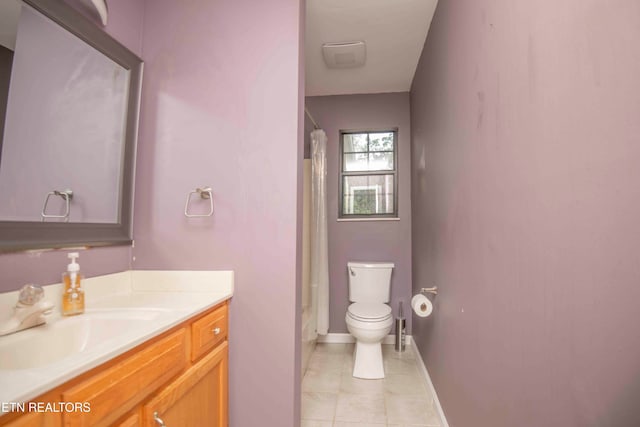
{"points": [[66, 195], [205, 193]]}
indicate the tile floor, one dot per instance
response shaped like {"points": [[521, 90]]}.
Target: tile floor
{"points": [[331, 397]]}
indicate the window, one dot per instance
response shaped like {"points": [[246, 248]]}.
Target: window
{"points": [[368, 175]]}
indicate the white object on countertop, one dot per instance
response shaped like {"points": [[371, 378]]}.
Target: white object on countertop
{"points": [[73, 266], [421, 305], [27, 314]]}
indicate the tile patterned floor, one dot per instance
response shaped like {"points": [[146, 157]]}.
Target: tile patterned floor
{"points": [[331, 397]]}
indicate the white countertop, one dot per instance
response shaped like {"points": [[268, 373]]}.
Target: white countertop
{"points": [[170, 297]]}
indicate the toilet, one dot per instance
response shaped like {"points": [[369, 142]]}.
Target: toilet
{"points": [[369, 318]]}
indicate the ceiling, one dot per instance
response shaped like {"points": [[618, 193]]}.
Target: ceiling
{"points": [[393, 30]]}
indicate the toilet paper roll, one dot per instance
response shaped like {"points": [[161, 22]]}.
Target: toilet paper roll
{"points": [[421, 305]]}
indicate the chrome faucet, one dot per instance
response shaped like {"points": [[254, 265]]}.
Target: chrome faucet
{"points": [[28, 312]]}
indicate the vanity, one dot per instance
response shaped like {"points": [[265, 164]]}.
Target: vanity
{"points": [[150, 350]]}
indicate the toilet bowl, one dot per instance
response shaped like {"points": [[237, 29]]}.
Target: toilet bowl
{"points": [[369, 323]]}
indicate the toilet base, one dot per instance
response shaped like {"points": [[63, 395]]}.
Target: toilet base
{"points": [[367, 359]]}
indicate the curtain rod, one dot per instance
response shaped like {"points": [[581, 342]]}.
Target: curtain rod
{"points": [[315, 125]]}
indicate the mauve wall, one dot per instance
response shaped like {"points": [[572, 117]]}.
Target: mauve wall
{"points": [[221, 106], [366, 240], [125, 25], [526, 141]]}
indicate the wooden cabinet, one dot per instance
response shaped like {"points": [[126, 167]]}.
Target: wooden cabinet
{"points": [[208, 332], [132, 420], [179, 377], [35, 419], [116, 390], [197, 398]]}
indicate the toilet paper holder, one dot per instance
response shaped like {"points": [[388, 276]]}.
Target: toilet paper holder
{"points": [[433, 290]]}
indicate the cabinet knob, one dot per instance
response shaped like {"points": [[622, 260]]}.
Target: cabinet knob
{"points": [[216, 331], [158, 420]]}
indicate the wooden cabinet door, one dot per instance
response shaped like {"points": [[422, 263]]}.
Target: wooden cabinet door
{"points": [[196, 398], [36, 419], [131, 421]]}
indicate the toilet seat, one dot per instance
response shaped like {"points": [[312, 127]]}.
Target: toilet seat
{"points": [[367, 312], [369, 325]]}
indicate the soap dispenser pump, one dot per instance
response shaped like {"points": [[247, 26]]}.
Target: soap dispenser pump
{"points": [[73, 295]]}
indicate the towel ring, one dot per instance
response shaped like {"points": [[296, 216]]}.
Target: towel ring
{"points": [[206, 194], [66, 195]]}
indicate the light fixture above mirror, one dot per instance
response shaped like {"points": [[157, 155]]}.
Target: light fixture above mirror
{"points": [[103, 10]]}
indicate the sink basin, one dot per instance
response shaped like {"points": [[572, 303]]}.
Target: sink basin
{"points": [[62, 337]]}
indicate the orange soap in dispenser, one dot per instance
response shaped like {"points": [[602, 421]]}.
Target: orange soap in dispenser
{"points": [[73, 296]]}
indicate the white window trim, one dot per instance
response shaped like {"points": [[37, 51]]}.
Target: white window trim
{"points": [[367, 219]]}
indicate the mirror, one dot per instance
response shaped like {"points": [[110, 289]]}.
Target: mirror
{"points": [[69, 100]]}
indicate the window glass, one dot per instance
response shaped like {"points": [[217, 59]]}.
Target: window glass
{"points": [[381, 141], [355, 143], [356, 162], [368, 195], [368, 174], [381, 161]]}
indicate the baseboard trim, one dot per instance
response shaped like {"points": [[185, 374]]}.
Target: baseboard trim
{"points": [[427, 379], [348, 339], [335, 339]]}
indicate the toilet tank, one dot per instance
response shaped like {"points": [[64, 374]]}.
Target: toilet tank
{"points": [[369, 282]]}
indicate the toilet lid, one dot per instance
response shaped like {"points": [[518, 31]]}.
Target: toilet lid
{"points": [[364, 311]]}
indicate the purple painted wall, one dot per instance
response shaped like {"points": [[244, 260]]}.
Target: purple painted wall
{"points": [[125, 25], [221, 107], [526, 202], [366, 240]]}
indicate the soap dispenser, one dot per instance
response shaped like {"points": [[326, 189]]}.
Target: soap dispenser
{"points": [[73, 296]]}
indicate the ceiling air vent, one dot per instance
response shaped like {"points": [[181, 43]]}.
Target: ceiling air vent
{"points": [[344, 55]]}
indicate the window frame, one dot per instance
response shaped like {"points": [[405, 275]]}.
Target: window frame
{"points": [[342, 174]]}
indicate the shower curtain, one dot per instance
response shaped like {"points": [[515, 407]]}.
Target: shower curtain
{"points": [[319, 246]]}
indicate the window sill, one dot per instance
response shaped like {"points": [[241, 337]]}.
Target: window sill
{"points": [[366, 219]]}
